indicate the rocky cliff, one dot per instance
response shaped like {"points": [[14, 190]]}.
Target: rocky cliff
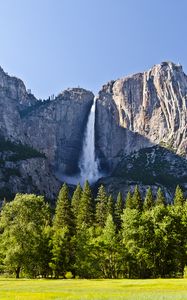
{"points": [[24, 169], [53, 128], [57, 128], [142, 110], [134, 115], [153, 166], [13, 99]]}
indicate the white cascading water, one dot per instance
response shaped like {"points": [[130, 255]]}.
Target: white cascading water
{"points": [[89, 167]]}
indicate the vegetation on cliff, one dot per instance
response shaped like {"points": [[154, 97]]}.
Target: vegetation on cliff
{"points": [[17, 151]]}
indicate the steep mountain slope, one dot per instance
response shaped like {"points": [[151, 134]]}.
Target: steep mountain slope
{"points": [[13, 99], [142, 110], [140, 128], [24, 169], [54, 128], [57, 128], [136, 113], [153, 166]]}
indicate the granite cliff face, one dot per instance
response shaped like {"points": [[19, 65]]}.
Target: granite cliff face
{"points": [[133, 114], [13, 88], [27, 176], [13, 98], [54, 128], [57, 128], [24, 169], [142, 110], [153, 166]]}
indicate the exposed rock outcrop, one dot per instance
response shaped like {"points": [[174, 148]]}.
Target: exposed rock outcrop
{"points": [[28, 176], [133, 115], [142, 110], [57, 128], [154, 166], [24, 169], [13, 88], [13, 98], [54, 128]]}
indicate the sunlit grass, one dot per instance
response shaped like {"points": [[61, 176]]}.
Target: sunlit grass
{"points": [[152, 289]]}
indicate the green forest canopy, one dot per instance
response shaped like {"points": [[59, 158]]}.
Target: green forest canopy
{"points": [[94, 238]]}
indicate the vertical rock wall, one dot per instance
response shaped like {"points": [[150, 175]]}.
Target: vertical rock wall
{"points": [[142, 110]]}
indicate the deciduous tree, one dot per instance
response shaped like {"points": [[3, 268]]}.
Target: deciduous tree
{"points": [[22, 224]]}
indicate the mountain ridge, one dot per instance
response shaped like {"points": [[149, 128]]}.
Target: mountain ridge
{"points": [[132, 113]]}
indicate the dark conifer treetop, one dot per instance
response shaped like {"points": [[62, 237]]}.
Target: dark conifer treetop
{"points": [[160, 199], [86, 207], [149, 200], [101, 206], [63, 216], [128, 200], [119, 205], [137, 202], [110, 206], [179, 198], [75, 201]]}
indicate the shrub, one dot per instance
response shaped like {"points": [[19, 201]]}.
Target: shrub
{"points": [[185, 272], [68, 275]]}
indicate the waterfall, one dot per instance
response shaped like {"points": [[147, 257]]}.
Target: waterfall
{"points": [[88, 163], [89, 167]]}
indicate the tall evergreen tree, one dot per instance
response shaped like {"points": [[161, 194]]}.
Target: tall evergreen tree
{"points": [[160, 199], [128, 200], [137, 202], [75, 201], [179, 198], [86, 207], [62, 233], [149, 200], [101, 206], [60, 243], [86, 258], [131, 222], [109, 230], [109, 249], [63, 215], [110, 206], [118, 210]]}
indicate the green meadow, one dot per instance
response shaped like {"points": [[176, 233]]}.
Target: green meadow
{"points": [[41, 289]]}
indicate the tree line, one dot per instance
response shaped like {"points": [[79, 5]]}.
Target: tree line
{"points": [[94, 238]]}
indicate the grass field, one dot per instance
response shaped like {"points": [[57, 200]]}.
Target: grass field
{"points": [[153, 289]]}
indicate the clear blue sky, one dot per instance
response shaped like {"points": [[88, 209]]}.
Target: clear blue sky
{"points": [[55, 44]]}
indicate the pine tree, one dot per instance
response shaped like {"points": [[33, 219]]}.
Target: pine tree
{"points": [[118, 211], [86, 207], [149, 200], [101, 206], [110, 251], [160, 199], [110, 206], [128, 200], [63, 216], [131, 224], [60, 242], [109, 231], [75, 201], [62, 233], [137, 202], [179, 198]]}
